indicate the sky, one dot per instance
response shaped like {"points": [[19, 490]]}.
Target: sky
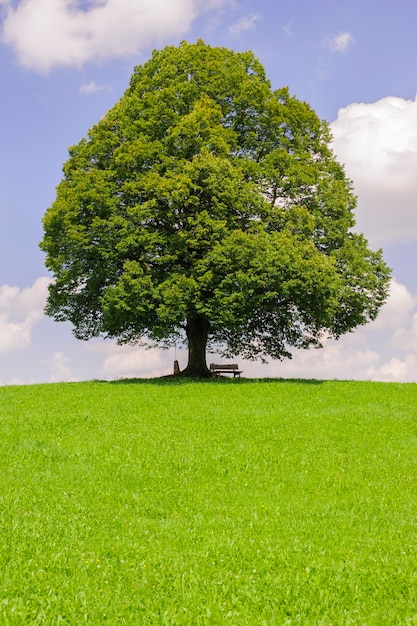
{"points": [[64, 63]]}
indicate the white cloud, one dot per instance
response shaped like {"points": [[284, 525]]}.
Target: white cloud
{"points": [[378, 144], [92, 87], [243, 24], [133, 361], [340, 42], [405, 336], [397, 370], [16, 380], [59, 370], [398, 308], [20, 310], [345, 359], [48, 33]]}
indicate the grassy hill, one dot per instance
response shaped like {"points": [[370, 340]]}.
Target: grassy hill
{"points": [[213, 502]]}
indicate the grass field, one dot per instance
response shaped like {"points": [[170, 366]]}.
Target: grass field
{"points": [[220, 502]]}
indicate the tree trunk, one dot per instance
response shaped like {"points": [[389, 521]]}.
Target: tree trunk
{"points": [[197, 334]]}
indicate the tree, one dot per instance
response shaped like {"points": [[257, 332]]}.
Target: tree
{"points": [[207, 207]]}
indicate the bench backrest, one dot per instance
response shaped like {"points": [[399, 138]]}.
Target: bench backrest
{"points": [[223, 366]]}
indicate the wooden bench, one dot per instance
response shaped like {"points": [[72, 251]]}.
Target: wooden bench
{"points": [[225, 368]]}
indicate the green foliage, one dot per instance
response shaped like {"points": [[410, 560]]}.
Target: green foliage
{"points": [[204, 194], [228, 502]]}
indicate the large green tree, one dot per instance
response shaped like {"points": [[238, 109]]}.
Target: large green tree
{"points": [[208, 207]]}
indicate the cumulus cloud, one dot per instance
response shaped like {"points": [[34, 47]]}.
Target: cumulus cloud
{"points": [[132, 361], [48, 33], [20, 310], [397, 370], [397, 310], [378, 144], [345, 359], [59, 369], [245, 23], [340, 42]]}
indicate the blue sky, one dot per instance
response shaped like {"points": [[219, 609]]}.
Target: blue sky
{"points": [[64, 63]]}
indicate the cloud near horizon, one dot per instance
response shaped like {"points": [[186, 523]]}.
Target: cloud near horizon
{"points": [[20, 310], [45, 34], [378, 144], [384, 350], [59, 368]]}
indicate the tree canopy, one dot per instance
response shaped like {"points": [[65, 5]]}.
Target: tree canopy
{"points": [[208, 207]]}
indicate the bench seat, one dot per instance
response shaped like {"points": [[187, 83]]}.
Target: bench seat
{"points": [[225, 368]]}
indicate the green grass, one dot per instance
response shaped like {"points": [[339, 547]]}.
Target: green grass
{"points": [[221, 502]]}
